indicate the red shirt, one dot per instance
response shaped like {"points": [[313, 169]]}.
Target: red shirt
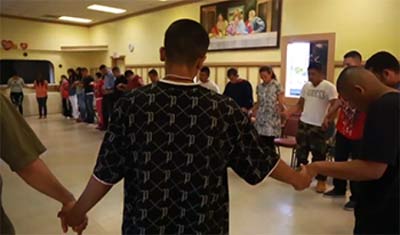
{"points": [[41, 89], [136, 82], [64, 89], [98, 88], [351, 122]]}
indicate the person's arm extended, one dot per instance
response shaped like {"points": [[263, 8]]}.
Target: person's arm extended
{"points": [[92, 194], [38, 176], [285, 174], [356, 170]]}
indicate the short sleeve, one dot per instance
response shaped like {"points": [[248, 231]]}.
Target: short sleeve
{"points": [[251, 160], [332, 93], [110, 165], [22, 82], [381, 141], [19, 146], [303, 91], [278, 88]]}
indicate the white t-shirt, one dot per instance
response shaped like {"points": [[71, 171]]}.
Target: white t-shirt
{"points": [[211, 86], [316, 101]]}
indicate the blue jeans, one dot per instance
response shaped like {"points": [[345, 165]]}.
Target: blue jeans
{"points": [[81, 105], [89, 108]]}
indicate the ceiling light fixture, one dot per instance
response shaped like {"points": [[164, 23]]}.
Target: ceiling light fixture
{"points": [[96, 7], [74, 19]]}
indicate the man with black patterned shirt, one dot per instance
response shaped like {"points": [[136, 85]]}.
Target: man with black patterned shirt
{"points": [[172, 143]]}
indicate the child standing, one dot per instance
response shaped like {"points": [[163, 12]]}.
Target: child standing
{"points": [[41, 87], [64, 90]]}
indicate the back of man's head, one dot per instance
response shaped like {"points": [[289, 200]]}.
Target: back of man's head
{"points": [[128, 73], [185, 42], [382, 60]]}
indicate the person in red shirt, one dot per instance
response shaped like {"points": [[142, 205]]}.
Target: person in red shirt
{"points": [[134, 81], [350, 129], [98, 93], [64, 90], [41, 86]]}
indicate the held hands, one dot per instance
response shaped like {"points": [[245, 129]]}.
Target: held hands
{"points": [[64, 215], [303, 179]]}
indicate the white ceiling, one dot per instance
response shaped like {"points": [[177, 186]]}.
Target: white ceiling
{"points": [[38, 9]]}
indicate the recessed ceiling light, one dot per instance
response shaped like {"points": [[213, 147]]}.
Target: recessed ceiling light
{"points": [[74, 19], [163, 0], [107, 9]]}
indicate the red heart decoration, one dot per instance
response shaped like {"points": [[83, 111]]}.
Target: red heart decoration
{"points": [[23, 45], [7, 44]]}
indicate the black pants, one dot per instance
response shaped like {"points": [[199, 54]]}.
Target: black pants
{"points": [[66, 107], [89, 108], [345, 149], [108, 102], [42, 101], [17, 98]]}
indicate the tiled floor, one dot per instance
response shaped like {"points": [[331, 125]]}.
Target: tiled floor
{"points": [[268, 208]]}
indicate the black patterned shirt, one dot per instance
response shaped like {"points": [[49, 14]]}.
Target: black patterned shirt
{"points": [[172, 144]]}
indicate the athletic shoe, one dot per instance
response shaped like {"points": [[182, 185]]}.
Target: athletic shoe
{"points": [[349, 206]]}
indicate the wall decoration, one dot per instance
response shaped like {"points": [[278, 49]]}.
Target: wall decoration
{"points": [[242, 24], [8, 44], [23, 45]]}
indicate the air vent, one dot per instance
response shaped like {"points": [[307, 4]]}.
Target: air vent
{"points": [[53, 17]]}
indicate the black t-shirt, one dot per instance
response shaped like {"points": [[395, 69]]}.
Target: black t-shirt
{"points": [[121, 79], [87, 84], [377, 211], [241, 93]]}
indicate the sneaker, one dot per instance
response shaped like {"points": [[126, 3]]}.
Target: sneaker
{"points": [[321, 186], [334, 193], [349, 206]]}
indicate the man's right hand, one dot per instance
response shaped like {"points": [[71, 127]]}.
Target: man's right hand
{"points": [[303, 181]]}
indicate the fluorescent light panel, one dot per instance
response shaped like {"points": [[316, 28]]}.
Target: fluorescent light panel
{"points": [[107, 9], [74, 19]]}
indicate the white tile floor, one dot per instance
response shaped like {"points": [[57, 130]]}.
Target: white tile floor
{"points": [[268, 208]]}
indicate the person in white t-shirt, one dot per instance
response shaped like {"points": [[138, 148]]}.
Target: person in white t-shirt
{"points": [[317, 97], [205, 80]]}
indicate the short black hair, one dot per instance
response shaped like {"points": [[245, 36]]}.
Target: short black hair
{"points": [[128, 73], [206, 70], [153, 72], [232, 72], [353, 54], [84, 69], [185, 41], [103, 66], [381, 61], [116, 68], [99, 75], [316, 66]]}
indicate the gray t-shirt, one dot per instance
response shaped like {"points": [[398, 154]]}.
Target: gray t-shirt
{"points": [[16, 85]]}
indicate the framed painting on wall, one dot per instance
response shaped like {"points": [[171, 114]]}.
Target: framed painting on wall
{"points": [[242, 24]]}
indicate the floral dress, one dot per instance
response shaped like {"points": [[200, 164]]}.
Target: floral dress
{"points": [[268, 120]]}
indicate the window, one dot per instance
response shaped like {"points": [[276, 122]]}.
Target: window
{"points": [[29, 70]]}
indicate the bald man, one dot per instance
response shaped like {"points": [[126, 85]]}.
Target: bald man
{"points": [[377, 168]]}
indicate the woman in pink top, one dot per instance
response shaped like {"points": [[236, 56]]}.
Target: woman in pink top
{"points": [[41, 87]]}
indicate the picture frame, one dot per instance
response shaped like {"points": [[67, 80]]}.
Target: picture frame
{"points": [[242, 24]]}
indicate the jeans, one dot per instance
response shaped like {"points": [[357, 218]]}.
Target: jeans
{"points": [[17, 98], [81, 106], [42, 102], [89, 108], [344, 149]]}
